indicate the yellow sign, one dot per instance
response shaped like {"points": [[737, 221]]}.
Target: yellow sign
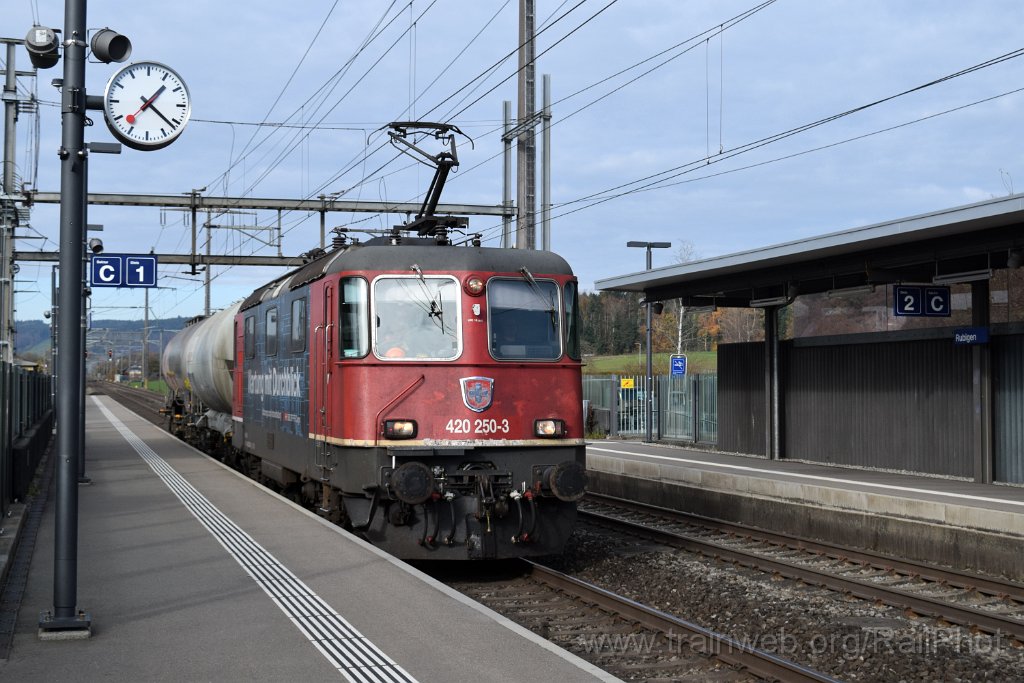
{"points": [[627, 383]]}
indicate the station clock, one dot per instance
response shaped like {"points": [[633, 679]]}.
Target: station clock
{"points": [[146, 105]]}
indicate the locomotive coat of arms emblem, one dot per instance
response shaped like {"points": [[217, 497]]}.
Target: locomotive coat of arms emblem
{"points": [[477, 393]]}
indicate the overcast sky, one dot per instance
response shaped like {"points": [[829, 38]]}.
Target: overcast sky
{"points": [[695, 118]]}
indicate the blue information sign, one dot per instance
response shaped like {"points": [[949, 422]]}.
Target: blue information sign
{"points": [[140, 271], [970, 335], [677, 364], [906, 300], [107, 271], [123, 270], [936, 302], [912, 300]]}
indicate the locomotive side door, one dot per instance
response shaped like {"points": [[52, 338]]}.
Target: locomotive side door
{"points": [[322, 362]]}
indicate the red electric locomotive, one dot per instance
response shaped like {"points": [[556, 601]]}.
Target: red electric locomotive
{"points": [[424, 394]]}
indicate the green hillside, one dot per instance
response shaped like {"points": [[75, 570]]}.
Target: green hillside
{"points": [[697, 362]]}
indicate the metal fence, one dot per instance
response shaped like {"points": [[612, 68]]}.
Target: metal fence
{"points": [[685, 407], [26, 421]]}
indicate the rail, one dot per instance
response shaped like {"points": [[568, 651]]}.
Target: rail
{"points": [[762, 664], [998, 606]]}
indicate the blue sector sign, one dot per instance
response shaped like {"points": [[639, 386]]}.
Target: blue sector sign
{"points": [[107, 271], [936, 302], [912, 300], [123, 270]]}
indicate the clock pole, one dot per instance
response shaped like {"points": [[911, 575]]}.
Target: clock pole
{"points": [[65, 616]]}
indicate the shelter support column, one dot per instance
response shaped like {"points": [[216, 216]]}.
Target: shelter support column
{"points": [[772, 408], [981, 376]]}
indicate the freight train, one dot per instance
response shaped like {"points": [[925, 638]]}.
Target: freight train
{"points": [[423, 394]]}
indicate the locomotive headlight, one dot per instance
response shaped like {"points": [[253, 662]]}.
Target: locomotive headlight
{"points": [[400, 429], [549, 428], [474, 285]]}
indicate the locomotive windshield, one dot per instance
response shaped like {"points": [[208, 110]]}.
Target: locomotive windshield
{"points": [[524, 319], [417, 317]]}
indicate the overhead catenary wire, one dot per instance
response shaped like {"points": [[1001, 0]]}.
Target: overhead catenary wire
{"points": [[244, 155], [492, 233], [285, 153], [694, 39], [374, 33], [448, 117], [479, 78], [482, 76], [736, 150], [692, 42], [360, 161], [291, 76], [369, 177], [603, 199], [323, 91], [761, 142]]}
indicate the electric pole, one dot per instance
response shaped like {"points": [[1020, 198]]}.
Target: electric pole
{"points": [[72, 153], [10, 215], [526, 158]]}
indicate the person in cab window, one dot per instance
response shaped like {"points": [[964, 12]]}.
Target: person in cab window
{"points": [[392, 345]]}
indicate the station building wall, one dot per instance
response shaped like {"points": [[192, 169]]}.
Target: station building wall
{"points": [[896, 401]]}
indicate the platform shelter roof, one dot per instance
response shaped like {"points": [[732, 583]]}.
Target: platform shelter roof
{"points": [[959, 244]]}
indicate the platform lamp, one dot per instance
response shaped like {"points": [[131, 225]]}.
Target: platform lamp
{"points": [[649, 398]]}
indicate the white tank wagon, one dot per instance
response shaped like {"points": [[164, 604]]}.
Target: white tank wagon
{"points": [[197, 363]]}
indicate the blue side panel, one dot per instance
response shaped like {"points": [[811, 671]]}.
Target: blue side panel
{"points": [[276, 396]]}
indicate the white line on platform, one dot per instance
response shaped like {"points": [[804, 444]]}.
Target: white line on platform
{"points": [[891, 487], [355, 657]]}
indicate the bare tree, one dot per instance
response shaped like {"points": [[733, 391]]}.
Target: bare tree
{"points": [[685, 253]]}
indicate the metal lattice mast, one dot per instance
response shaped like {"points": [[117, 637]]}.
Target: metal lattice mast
{"points": [[10, 216], [526, 148]]}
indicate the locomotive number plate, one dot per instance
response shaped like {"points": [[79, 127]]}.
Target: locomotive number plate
{"points": [[477, 426]]}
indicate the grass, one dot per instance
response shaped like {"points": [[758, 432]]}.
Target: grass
{"points": [[697, 362], [157, 386]]}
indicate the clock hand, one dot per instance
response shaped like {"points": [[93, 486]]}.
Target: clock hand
{"points": [[145, 103], [158, 113]]}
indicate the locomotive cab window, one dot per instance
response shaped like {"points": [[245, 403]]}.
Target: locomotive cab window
{"points": [[417, 318], [249, 342], [271, 332], [524, 319], [572, 321], [354, 316], [298, 328]]}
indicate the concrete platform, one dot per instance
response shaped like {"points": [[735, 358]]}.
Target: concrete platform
{"points": [[963, 524], [192, 572]]}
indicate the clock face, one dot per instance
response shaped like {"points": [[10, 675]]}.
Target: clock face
{"points": [[146, 105]]}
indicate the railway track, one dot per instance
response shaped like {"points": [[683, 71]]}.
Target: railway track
{"points": [[978, 603], [623, 637], [638, 643], [975, 602], [145, 404], [619, 635]]}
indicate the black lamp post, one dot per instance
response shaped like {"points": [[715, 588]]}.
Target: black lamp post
{"points": [[649, 398]]}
